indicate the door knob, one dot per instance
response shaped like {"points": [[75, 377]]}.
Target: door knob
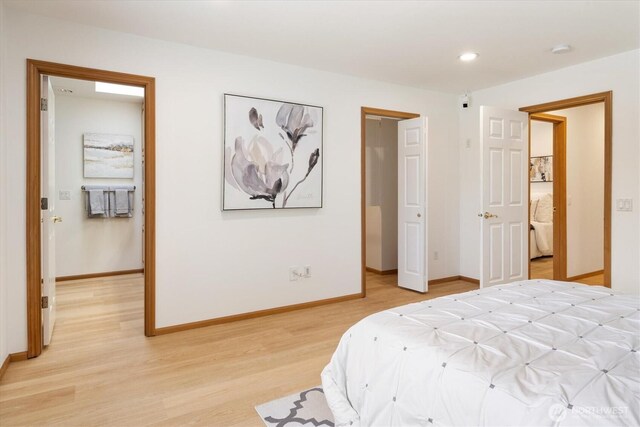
{"points": [[419, 215], [487, 215], [56, 219]]}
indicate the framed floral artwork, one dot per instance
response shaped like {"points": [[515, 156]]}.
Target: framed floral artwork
{"points": [[541, 169], [272, 154]]}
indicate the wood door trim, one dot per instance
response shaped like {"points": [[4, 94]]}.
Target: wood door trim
{"points": [[607, 99], [363, 183], [96, 275], [35, 69]]}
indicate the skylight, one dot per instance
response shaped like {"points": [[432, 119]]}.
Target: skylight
{"points": [[119, 89]]}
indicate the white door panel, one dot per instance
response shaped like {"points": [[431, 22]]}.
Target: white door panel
{"points": [[505, 159], [412, 204], [49, 218]]}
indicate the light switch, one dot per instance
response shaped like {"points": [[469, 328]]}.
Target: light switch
{"points": [[64, 195], [624, 205]]}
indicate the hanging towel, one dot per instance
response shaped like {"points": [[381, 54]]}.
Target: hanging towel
{"points": [[96, 202], [122, 203]]}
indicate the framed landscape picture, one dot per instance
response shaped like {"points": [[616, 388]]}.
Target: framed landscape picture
{"points": [[541, 169], [272, 154], [108, 156]]}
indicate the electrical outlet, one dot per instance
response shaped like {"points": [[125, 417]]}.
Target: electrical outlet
{"points": [[64, 195], [307, 271], [436, 255], [293, 274]]}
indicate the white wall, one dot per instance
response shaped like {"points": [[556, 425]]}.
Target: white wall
{"points": [[618, 73], [382, 193], [4, 328], [541, 145], [585, 188], [212, 263], [95, 245]]}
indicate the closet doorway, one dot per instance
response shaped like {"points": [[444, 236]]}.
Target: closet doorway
{"points": [[570, 190], [116, 162], [393, 204]]}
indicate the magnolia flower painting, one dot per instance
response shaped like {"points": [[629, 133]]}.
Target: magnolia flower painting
{"points": [[272, 154]]}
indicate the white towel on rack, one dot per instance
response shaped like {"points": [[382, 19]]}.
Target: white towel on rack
{"points": [[96, 202], [122, 202]]}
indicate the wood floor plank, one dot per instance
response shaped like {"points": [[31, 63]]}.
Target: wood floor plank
{"points": [[101, 370]]}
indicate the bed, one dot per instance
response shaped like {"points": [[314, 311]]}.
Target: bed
{"points": [[536, 352], [541, 225]]}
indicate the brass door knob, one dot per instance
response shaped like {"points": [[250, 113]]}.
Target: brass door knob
{"points": [[487, 215]]}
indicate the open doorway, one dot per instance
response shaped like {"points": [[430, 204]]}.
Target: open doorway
{"points": [[105, 216], [384, 159], [570, 190], [96, 181]]}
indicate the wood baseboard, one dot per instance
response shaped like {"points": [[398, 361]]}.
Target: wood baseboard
{"points": [[5, 365], [453, 279], [13, 357], [18, 357], [253, 314], [584, 276], [95, 275], [382, 272]]}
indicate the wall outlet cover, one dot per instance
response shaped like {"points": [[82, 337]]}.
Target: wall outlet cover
{"points": [[64, 195]]}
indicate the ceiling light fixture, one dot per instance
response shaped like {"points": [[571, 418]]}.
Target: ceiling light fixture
{"points": [[561, 48], [119, 89], [468, 56]]}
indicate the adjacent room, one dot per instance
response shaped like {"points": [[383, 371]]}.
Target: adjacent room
{"points": [[354, 213]]}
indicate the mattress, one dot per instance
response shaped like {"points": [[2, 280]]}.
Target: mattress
{"points": [[534, 352]]}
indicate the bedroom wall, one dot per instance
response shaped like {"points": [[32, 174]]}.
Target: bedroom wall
{"points": [[4, 329], [209, 263], [382, 193], [585, 188], [541, 145], [95, 245], [618, 73]]}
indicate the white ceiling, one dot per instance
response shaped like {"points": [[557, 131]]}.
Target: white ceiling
{"points": [[412, 43], [87, 89]]}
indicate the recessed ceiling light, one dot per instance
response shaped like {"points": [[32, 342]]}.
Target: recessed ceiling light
{"points": [[468, 56], [119, 89], [561, 48]]}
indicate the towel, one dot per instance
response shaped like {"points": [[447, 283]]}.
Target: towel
{"points": [[96, 202], [122, 203]]}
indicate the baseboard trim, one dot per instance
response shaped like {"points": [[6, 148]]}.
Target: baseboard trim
{"points": [[584, 276], [251, 315], [443, 280], [453, 279], [18, 357], [382, 272], [5, 365], [95, 275], [469, 279]]}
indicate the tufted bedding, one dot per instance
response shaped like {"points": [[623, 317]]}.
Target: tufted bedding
{"points": [[534, 353]]}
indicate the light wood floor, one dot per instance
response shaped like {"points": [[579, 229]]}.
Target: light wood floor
{"points": [[101, 370], [542, 268]]}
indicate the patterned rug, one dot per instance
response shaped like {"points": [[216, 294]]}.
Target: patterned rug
{"points": [[307, 408]]}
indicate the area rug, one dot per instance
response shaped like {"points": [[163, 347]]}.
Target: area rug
{"points": [[306, 408]]}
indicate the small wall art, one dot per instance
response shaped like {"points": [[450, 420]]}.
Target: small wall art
{"points": [[108, 156], [272, 154], [541, 169]]}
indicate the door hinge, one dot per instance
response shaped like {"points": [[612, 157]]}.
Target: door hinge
{"points": [[45, 302], [44, 104], [44, 203]]}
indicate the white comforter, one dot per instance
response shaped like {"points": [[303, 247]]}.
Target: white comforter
{"points": [[530, 353]]}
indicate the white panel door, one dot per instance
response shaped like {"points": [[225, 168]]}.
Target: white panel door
{"points": [[505, 173], [412, 204], [49, 219]]}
